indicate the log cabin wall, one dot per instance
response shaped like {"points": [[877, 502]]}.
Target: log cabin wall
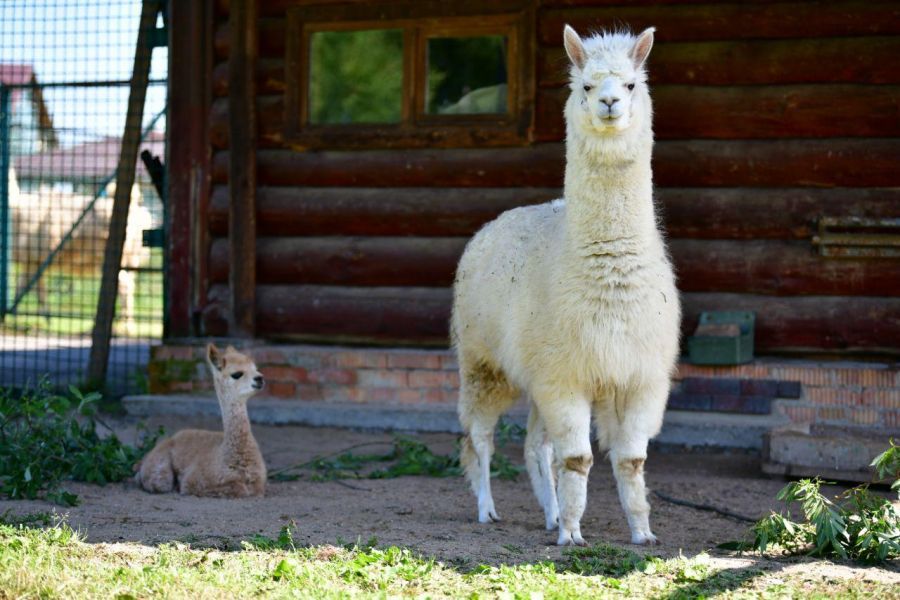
{"points": [[769, 116]]}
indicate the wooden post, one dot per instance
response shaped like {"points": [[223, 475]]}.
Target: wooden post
{"points": [[242, 167], [131, 138], [188, 160]]}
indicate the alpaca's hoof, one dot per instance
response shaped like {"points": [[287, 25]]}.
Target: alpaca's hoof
{"points": [[490, 517], [644, 539], [486, 512], [570, 539], [552, 523]]}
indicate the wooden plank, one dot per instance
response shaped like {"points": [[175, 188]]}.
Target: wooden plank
{"points": [[376, 211], [766, 213], [729, 21], [272, 40], [101, 335], [770, 267], [381, 261], [188, 164], [809, 323], [836, 60], [694, 163], [420, 316], [700, 213], [242, 171], [270, 77], [778, 268], [752, 112]]}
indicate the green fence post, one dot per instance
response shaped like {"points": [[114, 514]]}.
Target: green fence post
{"points": [[4, 198]]}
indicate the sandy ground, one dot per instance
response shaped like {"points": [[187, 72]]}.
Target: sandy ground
{"points": [[437, 516]]}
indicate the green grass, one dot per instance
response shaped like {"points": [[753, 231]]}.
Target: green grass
{"points": [[72, 304], [57, 562]]}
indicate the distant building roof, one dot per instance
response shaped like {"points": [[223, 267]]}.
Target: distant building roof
{"points": [[24, 75], [91, 161]]}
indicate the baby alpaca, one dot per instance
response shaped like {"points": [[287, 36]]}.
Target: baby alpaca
{"points": [[214, 463]]}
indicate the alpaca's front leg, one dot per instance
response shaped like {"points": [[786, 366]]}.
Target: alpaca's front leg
{"points": [[539, 460], [568, 422]]}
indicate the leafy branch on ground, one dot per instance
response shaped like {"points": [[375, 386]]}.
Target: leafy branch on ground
{"points": [[857, 524], [47, 438], [407, 456]]}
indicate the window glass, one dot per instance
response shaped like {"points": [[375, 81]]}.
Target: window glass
{"points": [[466, 75], [356, 76]]}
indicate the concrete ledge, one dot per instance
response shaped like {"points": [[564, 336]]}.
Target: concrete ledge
{"points": [[681, 428]]}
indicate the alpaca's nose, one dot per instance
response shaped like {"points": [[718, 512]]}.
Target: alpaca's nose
{"points": [[609, 100], [258, 381]]}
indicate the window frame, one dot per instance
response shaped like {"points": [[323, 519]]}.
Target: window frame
{"points": [[419, 21]]}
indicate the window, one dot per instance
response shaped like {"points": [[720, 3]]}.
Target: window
{"points": [[405, 75]]}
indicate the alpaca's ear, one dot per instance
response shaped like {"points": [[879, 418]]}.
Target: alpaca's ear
{"points": [[214, 356], [642, 47], [574, 47]]}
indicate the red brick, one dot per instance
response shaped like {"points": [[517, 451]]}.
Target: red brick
{"points": [[884, 398], [181, 386], [382, 378], [338, 376], [891, 419], [800, 414], [434, 379], [308, 391], [414, 360], [268, 356], [392, 396], [440, 396], [865, 416], [832, 413], [356, 359], [284, 373], [342, 393], [281, 389], [834, 396], [449, 362]]}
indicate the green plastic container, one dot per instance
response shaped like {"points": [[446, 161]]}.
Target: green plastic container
{"points": [[723, 349]]}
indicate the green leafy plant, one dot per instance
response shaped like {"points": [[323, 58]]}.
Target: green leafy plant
{"points": [[47, 438], [857, 524], [407, 456]]}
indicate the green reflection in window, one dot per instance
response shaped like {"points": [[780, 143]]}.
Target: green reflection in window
{"points": [[356, 76], [466, 75]]}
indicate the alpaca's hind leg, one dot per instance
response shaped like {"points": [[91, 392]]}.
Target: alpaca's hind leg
{"points": [[156, 473], [539, 460], [484, 395], [568, 422]]}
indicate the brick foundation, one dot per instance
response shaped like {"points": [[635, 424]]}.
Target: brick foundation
{"points": [[859, 395]]}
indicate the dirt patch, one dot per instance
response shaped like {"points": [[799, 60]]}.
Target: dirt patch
{"points": [[435, 516]]}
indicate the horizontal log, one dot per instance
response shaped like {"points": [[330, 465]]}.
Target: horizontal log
{"points": [[835, 60], [699, 213], [272, 32], [420, 316], [770, 267], [728, 21], [382, 261], [778, 268], [751, 112], [427, 212], [270, 78], [694, 163]]}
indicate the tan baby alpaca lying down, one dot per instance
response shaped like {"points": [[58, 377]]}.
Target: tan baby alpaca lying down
{"points": [[213, 463]]}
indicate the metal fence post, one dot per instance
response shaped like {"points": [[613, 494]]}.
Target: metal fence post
{"points": [[4, 198]]}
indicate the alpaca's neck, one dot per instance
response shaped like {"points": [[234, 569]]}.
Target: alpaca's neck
{"points": [[236, 424], [609, 191]]}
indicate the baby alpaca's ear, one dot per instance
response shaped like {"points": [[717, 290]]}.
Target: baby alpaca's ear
{"points": [[214, 356]]}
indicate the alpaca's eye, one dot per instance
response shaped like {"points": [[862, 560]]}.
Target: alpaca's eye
{"points": [[630, 86], [237, 374], [588, 88]]}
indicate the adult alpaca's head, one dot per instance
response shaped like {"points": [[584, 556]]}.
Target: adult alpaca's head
{"points": [[609, 113]]}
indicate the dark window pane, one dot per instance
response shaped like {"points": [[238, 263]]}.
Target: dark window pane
{"points": [[466, 75], [356, 76]]}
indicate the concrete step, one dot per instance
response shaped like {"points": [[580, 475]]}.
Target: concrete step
{"points": [[681, 428]]}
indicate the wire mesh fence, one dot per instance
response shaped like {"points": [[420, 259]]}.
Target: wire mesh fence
{"points": [[65, 71]]}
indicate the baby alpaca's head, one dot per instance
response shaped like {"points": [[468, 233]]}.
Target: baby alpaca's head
{"points": [[608, 81], [234, 374]]}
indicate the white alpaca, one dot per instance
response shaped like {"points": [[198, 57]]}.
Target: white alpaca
{"points": [[574, 303], [41, 220]]}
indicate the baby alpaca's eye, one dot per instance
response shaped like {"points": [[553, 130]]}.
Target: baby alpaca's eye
{"points": [[588, 88], [630, 86], [237, 374]]}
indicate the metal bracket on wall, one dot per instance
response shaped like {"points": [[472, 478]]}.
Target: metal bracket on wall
{"points": [[858, 237]]}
